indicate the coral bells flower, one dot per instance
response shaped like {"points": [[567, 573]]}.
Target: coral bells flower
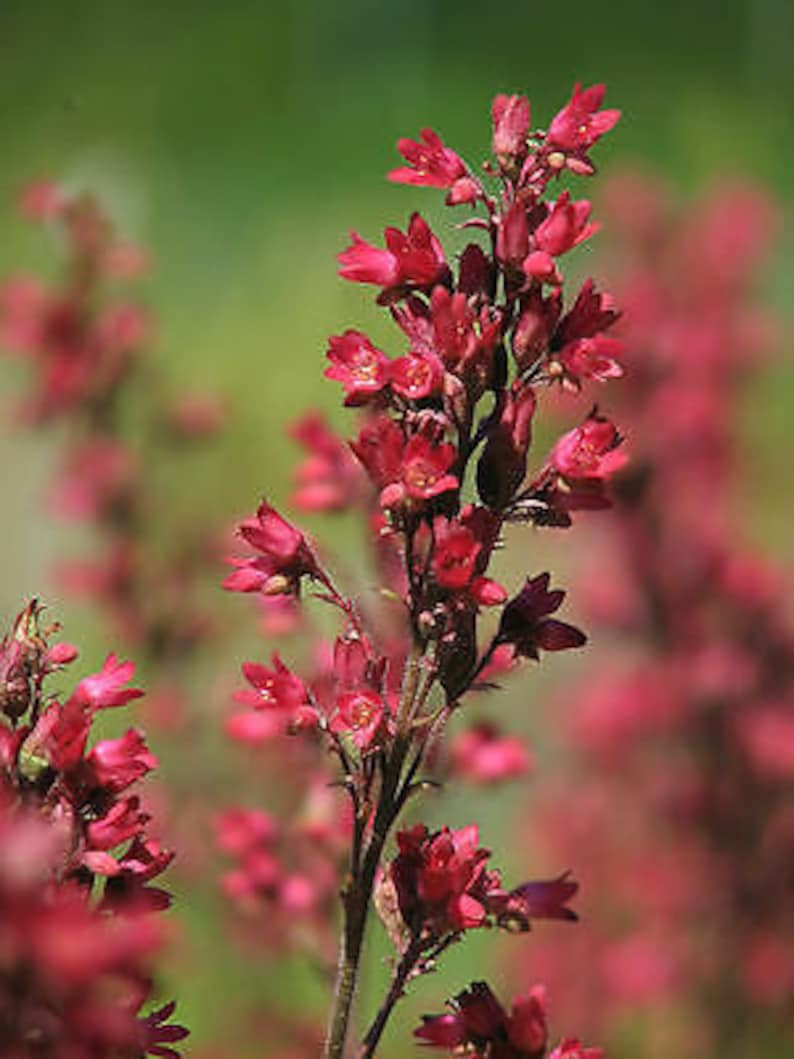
{"points": [[572, 1048], [441, 880], [457, 558], [362, 714], [279, 693], [579, 125], [416, 377], [483, 755], [285, 556], [510, 115], [412, 259], [423, 472], [430, 163], [117, 763], [591, 451], [330, 478], [526, 623], [361, 368], [479, 1024], [106, 688]]}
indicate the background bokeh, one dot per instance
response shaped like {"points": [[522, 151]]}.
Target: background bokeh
{"points": [[240, 142]]}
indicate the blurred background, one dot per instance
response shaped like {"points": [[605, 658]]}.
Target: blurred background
{"points": [[240, 143]]}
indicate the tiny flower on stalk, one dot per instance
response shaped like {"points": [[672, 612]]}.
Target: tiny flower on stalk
{"points": [[285, 556], [479, 1024], [526, 625]]}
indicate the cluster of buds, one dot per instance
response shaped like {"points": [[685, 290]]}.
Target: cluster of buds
{"points": [[84, 343], [683, 754], [439, 467], [79, 912]]}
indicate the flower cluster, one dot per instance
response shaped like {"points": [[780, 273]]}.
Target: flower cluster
{"points": [[683, 763], [440, 465], [79, 930], [85, 347], [479, 1026]]}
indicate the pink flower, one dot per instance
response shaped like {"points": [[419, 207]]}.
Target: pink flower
{"points": [[511, 116], [362, 369], [572, 1048], [415, 258], [580, 123], [106, 688], [590, 358], [480, 1025], [285, 556], [591, 451], [481, 754], [417, 377], [123, 821], [379, 447], [458, 557], [425, 468], [329, 479], [430, 163], [360, 713], [280, 691], [441, 879], [117, 763], [526, 623], [593, 311], [565, 226]]}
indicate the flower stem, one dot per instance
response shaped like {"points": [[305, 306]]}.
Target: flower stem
{"points": [[358, 895], [401, 974]]}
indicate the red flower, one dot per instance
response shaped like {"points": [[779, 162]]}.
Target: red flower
{"points": [[457, 559], [379, 447], [526, 623], [329, 478], [280, 691], [414, 258], [106, 688], [117, 763], [441, 880], [362, 369], [362, 714], [455, 554], [572, 1048], [284, 558], [511, 115], [565, 226], [479, 1021], [590, 358], [482, 754], [590, 313], [591, 451], [430, 163], [425, 467], [580, 123], [417, 377]]}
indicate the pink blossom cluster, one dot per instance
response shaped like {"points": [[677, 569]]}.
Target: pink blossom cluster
{"points": [[683, 762], [441, 463], [79, 923], [85, 346]]}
